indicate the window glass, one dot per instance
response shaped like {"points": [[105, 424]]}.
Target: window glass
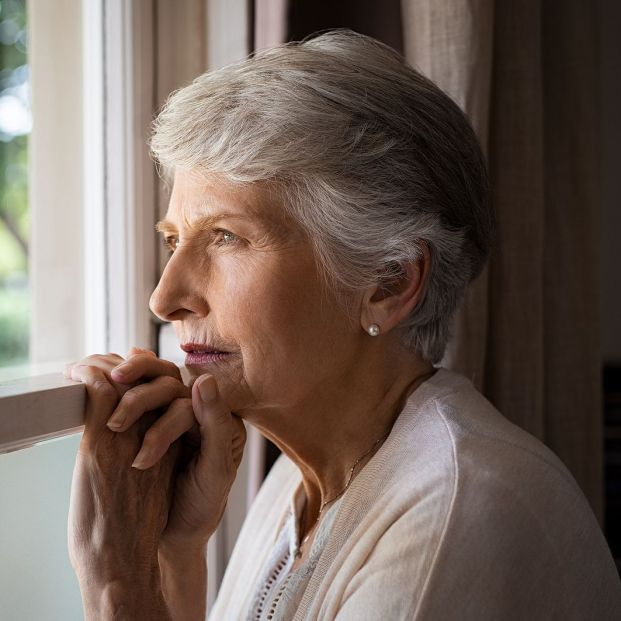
{"points": [[36, 577], [15, 124]]}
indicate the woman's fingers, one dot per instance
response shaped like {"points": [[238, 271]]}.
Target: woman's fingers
{"points": [[157, 393], [139, 350], [178, 419], [102, 397], [218, 428], [144, 364], [107, 362]]}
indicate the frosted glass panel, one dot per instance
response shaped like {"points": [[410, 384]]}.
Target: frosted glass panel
{"points": [[36, 578]]}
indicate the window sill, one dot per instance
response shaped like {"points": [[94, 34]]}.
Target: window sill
{"points": [[35, 408], [39, 408]]}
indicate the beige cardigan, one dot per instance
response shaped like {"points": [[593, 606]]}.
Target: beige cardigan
{"points": [[460, 515]]}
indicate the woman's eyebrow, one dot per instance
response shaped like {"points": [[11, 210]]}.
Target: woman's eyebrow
{"points": [[204, 222]]}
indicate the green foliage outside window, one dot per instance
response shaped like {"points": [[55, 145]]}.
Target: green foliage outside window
{"points": [[14, 127]]}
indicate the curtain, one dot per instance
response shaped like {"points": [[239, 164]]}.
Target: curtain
{"points": [[527, 332], [524, 72]]}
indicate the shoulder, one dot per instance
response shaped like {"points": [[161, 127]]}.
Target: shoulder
{"points": [[454, 436], [473, 507], [458, 452]]}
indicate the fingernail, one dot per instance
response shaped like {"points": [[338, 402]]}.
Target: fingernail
{"points": [[116, 422], [207, 389], [121, 369], [144, 457]]}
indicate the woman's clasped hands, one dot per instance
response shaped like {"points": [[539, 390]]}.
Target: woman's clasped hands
{"points": [[185, 447]]}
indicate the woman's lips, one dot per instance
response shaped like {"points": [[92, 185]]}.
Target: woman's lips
{"points": [[199, 358], [200, 354]]}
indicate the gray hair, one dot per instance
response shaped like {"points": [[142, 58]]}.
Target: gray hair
{"points": [[372, 160]]}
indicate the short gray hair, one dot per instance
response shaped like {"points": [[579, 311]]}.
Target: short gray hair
{"points": [[372, 160]]}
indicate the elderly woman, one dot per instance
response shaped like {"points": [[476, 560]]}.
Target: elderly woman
{"points": [[329, 207]]}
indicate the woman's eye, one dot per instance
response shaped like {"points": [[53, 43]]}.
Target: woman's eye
{"points": [[222, 238], [171, 243], [225, 238]]}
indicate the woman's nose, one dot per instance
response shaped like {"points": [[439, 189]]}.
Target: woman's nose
{"points": [[174, 297]]}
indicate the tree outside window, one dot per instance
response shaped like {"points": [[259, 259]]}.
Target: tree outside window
{"points": [[15, 123]]}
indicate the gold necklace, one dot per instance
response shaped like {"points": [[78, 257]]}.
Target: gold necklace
{"points": [[298, 551], [410, 389]]}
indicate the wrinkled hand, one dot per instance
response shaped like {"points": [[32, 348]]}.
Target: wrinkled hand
{"points": [[197, 443], [116, 513]]}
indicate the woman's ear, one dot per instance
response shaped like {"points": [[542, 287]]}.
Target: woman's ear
{"points": [[391, 301]]}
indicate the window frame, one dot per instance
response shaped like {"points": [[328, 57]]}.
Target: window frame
{"points": [[39, 408], [106, 50], [99, 183]]}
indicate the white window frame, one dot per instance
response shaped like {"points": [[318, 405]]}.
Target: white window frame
{"points": [[92, 195], [95, 199], [92, 203], [118, 50], [55, 180]]}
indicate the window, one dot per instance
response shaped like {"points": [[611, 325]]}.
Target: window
{"points": [[99, 70], [91, 265]]}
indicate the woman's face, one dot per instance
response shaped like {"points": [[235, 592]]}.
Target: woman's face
{"points": [[242, 279]]}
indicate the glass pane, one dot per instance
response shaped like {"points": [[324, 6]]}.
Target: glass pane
{"points": [[15, 123], [36, 578]]}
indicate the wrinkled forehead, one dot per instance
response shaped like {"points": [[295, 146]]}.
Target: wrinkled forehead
{"points": [[197, 198]]}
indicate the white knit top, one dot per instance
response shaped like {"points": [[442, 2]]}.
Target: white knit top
{"points": [[460, 515], [279, 590]]}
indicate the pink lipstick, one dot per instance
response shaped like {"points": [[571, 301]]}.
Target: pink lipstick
{"points": [[200, 354]]}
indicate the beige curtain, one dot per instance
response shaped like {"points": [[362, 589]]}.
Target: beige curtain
{"points": [[527, 332]]}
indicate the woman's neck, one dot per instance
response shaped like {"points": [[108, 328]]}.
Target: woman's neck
{"points": [[326, 436]]}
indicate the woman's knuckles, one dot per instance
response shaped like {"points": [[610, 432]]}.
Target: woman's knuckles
{"points": [[134, 351], [141, 364], [161, 392], [172, 384], [108, 359], [132, 368], [103, 391]]}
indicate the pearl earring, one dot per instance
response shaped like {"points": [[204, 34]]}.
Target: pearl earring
{"points": [[373, 329]]}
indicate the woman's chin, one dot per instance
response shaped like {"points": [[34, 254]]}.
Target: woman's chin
{"points": [[226, 370]]}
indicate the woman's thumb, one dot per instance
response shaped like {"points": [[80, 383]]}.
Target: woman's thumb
{"points": [[213, 416]]}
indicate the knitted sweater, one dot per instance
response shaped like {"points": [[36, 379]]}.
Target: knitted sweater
{"points": [[459, 515]]}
